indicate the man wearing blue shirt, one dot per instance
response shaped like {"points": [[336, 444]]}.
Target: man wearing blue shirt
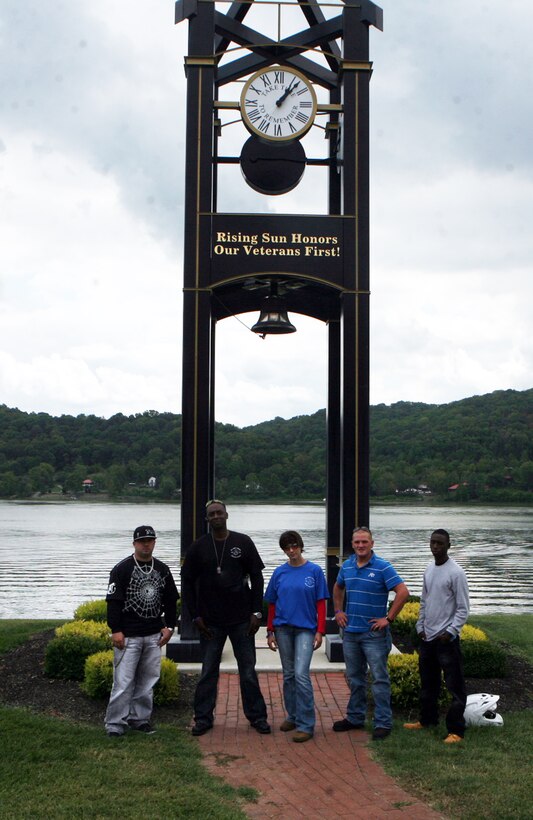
{"points": [[366, 580]]}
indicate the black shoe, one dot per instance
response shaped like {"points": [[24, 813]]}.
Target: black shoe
{"points": [[380, 733], [114, 735], [144, 728], [200, 729], [262, 727], [345, 726]]}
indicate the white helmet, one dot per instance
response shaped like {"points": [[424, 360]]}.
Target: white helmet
{"points": [[481, 710]]}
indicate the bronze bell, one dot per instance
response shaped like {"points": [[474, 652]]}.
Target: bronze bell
{"points": [[273, 317]]}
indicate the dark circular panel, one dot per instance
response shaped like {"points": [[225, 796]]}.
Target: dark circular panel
{"points": [[272, 168]]}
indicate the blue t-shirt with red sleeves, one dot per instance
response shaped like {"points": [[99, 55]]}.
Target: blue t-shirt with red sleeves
{"points": [[367, 590], [295, 591]]}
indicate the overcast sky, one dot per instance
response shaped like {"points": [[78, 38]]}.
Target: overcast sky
{"points": [[92, 126]]}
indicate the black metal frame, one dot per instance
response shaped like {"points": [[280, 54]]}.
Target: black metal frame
{"points": [[343, 305]]}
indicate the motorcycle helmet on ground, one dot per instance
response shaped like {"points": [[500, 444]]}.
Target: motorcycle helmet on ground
{"points": [[481, 710]]}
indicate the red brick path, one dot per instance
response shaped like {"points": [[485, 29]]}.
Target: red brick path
{"points": [[330, 776]]}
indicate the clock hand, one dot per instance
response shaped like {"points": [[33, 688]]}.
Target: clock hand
{"points": [[287, 91]]}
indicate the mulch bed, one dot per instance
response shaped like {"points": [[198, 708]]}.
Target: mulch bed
{"points": [[23, 683]]}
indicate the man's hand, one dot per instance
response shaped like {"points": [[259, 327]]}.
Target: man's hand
{"points": [[255, 623], [166, 634], [445, 637], [118, 640], [203, 628], [341, 619], [378, 623]]}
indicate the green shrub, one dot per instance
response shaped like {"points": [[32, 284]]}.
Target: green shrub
{"points": [[74, 642], [405, 681], [167, 687], [92, 611], [483, 659], [405, 621], [98, 678]]}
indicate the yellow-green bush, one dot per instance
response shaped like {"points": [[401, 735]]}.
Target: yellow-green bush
{"points": [[472, 633], [66, 653], [92, 611], [98, 678], [405, 621], [93, 629], [405, 681]]}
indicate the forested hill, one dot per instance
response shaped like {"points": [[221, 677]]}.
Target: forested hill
{"points": [[481, 447]]}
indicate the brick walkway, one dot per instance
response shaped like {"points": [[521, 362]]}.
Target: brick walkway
{"points": [[331, 776]]}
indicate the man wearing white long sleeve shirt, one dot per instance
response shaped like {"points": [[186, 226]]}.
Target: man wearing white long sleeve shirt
{"points": [[444, 607]]}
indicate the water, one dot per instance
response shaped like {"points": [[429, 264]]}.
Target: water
{"points": [[54, 556]]}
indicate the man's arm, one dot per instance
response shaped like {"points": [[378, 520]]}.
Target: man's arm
{"points": [[462, 604], [338, 603]]}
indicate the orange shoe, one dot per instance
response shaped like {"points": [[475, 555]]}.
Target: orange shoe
{"points": [[453, 739], [416, 725]]}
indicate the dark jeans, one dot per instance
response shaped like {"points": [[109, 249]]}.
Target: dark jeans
{"points": [[244, 650], [435, 656]]}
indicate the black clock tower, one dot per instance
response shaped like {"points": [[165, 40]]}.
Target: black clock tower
{"points": [[316, 77]]}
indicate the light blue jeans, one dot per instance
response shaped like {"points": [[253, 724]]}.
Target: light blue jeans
{"points": [[362, 650], [296, 650], [136, 670]]}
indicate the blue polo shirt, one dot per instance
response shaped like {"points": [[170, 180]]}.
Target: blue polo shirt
{"points": [[367, 590]]}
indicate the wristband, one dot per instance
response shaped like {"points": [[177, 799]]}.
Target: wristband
{"points": [[337, 611]]}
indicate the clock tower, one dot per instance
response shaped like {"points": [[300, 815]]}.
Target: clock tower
{"points": [[273, 91]]}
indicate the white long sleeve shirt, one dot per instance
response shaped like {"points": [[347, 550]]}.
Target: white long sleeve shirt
{"points": [[444, 603]]}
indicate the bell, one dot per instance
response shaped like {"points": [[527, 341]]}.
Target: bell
{"points": [[273, 317]]}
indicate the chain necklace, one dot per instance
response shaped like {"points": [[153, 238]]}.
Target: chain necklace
{"points": [[144, 568], [219, 561]]}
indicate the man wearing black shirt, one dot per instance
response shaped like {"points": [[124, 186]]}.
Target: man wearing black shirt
{"points": [[222, 586], [141, 589]]}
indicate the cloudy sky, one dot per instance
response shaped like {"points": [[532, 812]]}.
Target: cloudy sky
{"points": [[92, 128]]}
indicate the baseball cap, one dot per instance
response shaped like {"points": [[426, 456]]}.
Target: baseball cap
{"points": [[144, 532]]}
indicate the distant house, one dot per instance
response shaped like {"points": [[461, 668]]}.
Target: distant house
{"points": [[88, 485], [152, 481], [453, 487]]}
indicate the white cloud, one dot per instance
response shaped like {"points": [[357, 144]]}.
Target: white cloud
{"points": [[91, 207]]}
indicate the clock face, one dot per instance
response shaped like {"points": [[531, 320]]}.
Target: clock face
{"points": [[278, 103]]}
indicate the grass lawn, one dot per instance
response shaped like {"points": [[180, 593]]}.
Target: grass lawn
{"points": [[489, 775], [53, 768]]}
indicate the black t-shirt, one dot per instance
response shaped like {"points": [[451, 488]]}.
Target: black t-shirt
{"points": [[138, 595], [227, 597]]}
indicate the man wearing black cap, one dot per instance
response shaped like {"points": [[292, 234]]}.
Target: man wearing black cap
{"points": [[141, 591]]}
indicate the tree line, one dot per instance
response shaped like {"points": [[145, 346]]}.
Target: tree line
{"points": [[481, 447]]}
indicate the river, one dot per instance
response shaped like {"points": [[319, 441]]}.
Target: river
{"points": [[55, 555]]}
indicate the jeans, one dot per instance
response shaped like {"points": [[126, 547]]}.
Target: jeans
{"points": [[136, 670], [362, 649], [296, 650], [435, 656], [243, 645]]}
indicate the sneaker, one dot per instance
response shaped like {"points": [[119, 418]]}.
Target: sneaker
{"points": [[262, 727], [345, 726], [144, 728], [453, 738], [287, 726], [113, 735], [416, 725], [380, 733], [200, 729], [301, 737]]}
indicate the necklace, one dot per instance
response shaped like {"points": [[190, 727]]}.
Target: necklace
{"points": [[144, 568], [219, 560]]}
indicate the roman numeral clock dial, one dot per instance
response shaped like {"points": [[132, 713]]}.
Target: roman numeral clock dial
{"points": [[278, 104]]}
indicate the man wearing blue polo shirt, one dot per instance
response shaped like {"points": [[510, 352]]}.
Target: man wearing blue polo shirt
{"points": [[366, 580]]}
